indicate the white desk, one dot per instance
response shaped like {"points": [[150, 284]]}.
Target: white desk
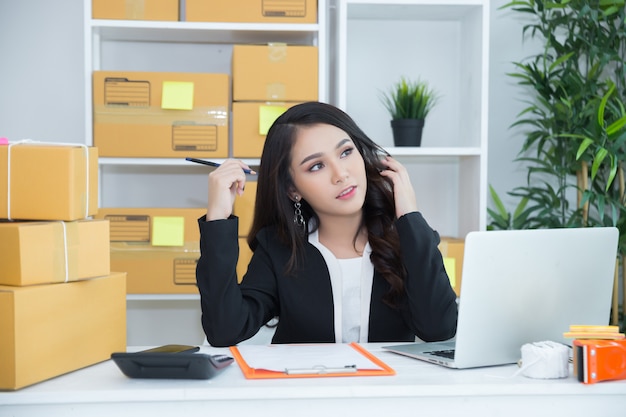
{"points": [[102, 390]]}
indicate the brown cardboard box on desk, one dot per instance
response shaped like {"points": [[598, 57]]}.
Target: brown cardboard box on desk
{"points": [[275, 72], [49, 330], [157, 247], [48, 181], [135, 9], [161, 114], [251, 11], [38, 252]]}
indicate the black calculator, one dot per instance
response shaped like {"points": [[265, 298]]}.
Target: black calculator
{"points": [[182, 364]]}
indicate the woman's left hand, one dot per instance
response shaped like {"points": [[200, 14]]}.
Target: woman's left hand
{"points": [[403, 191]]}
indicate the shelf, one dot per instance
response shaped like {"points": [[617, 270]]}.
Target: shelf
{"points": [[162, 161], [408, 151], [411, 9], [162, 297], [433, 152], [443, 42], [200, 32]]}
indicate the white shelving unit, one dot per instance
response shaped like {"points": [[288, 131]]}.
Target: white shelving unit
{"points": [[125, 45], [446, 43]]}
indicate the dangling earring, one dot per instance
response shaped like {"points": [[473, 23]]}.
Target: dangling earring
{"points": [[298, 219]]}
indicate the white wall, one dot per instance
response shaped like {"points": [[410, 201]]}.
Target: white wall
{"points": [[41, 70], [42, 80]]}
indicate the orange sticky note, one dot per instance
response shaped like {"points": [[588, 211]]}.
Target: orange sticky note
{"points": [[168, 231], [450, 266], [177, 95], [267, 116]]}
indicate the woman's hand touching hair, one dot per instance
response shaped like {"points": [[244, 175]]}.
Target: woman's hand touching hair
{"points": [[403, 192]]}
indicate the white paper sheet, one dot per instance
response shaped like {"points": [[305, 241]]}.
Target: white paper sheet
{"points": [[288, 357]]}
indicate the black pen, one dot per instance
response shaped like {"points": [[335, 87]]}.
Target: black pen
{"points": [[212, 164]]}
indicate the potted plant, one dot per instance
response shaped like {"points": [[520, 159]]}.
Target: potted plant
{"points": [[408, 103]]}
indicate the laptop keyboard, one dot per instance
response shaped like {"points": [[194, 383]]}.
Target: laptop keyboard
{"points": [[448, 353]]}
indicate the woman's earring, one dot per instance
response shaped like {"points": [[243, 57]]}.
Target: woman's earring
{"points": [[298, 219]]}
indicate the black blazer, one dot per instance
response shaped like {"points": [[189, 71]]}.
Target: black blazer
{"points": [[303, 302]]}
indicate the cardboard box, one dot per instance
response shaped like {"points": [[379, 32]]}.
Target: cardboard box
{"points": [[251, 11], [161, 114], [251, 121], [49, 330], [275, 72], [452, 250], [244, 208], [245, 255], [48, 181], [143, 225], [135, 9], [158, 247], [157, 270], [49, 252]]}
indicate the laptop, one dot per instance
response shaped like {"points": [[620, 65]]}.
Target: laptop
{"points": [[524, 286]]}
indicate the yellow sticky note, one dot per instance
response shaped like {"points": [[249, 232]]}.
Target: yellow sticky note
{"points": [[177, 95], [450, 266], [267, 116], [168, 231]]}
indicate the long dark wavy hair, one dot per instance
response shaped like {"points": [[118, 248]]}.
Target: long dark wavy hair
{"points": [[274, 206]]}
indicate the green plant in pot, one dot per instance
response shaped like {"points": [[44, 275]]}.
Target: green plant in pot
{"points": [[408, 103]]}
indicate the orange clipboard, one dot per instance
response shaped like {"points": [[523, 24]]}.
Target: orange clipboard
{"points": [[252, 373]]}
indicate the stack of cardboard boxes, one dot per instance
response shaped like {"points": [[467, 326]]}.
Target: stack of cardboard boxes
{"points": [[61, 307], [151, 114], [201, 115], [157, 247]]}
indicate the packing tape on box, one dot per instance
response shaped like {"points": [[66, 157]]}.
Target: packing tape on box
{"points": [[135, 9], [65, 252], [31, 142], [110, 114]]}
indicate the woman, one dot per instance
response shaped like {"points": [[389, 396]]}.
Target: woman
{"points": [[341, 253]]}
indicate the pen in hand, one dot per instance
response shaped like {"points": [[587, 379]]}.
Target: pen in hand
{"points": [[215, 164]]}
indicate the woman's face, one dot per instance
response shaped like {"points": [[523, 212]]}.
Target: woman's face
{"points": [[328, 171]]}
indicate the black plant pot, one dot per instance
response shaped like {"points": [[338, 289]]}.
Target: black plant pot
{"points": [[407, 132]]}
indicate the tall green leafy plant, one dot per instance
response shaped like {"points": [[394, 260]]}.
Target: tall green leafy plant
{"points": [[574, 122]]}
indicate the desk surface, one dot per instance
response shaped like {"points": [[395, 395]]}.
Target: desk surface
{"points": [[102, 390]]}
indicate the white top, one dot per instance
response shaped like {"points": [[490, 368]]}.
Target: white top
{"points": [[351, 298], [363, 286]]}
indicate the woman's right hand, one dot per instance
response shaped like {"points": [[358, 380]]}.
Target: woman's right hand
{"points": [[225, 183]]}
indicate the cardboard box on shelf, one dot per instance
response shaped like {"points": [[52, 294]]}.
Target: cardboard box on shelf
{"points": [[50, 330], [251, 121], [275, 72], [167, 10], [47, 252], [163, 226], [452, 250], [244, 208], [250, 11], [48, 181], [156, 269], [157, 247], [245, 254], [161, 114]]}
